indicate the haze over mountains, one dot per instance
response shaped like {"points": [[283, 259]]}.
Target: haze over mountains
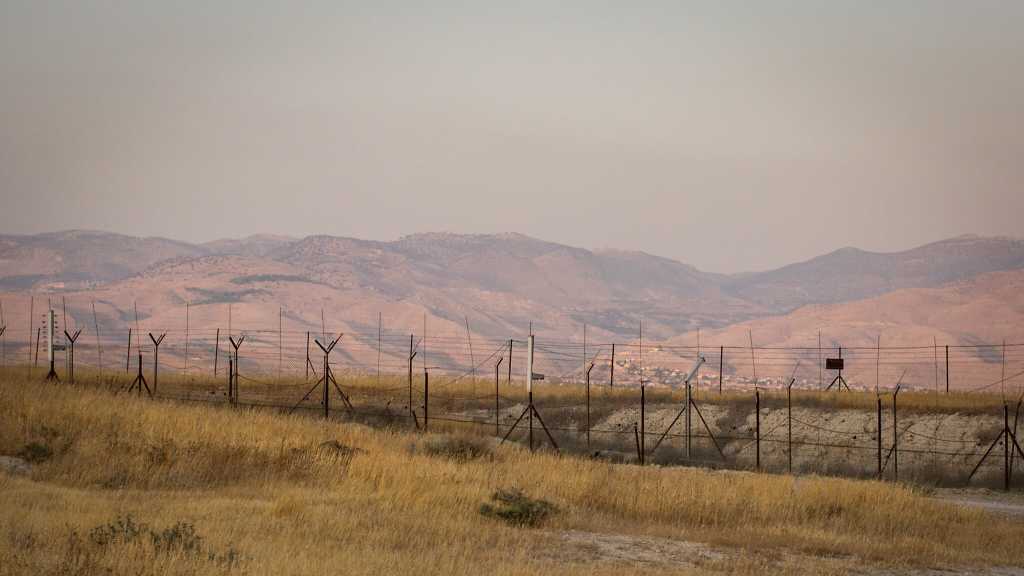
{"points": [[506, 278], [501, 282]]}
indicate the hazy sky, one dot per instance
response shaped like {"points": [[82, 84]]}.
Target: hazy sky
{"points": [[732, 136]]}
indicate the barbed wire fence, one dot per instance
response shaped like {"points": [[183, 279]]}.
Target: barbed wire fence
{"points": [[612, 400]]}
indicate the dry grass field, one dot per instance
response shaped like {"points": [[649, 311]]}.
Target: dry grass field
{"points": [[125, 485], [941, 437]]}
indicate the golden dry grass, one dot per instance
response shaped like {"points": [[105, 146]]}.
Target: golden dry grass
{"points": [[267, 499]]}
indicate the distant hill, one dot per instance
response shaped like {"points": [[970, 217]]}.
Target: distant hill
{"points": [[255, 245], [984, 309], [78, 258], [507, 281], [852, 274]]}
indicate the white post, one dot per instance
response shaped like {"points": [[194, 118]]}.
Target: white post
{"points": [[689, 399]]}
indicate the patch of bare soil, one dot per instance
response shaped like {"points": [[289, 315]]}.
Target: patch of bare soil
{"points": [[14, 466], [1009, 505], [943, 445], [997, 571], [579, 547], [584, 547]]}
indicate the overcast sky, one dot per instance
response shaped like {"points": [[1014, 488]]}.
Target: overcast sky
{"points": [[732, 136]]}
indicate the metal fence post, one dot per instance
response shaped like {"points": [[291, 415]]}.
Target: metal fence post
{"points": [[895, 441], [721, 366], [789, 423], [757, 430], [879, 438], [643, 419], [1006, 447]]}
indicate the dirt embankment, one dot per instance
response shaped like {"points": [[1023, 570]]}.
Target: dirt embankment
{"points": [[934, 448]]}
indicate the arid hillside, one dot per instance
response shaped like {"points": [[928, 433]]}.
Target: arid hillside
{"points": [[960, 292], [910, 323], [502, 282], [853, 274]]}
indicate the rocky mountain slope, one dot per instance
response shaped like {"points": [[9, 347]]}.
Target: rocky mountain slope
{"points": [[502, 283]]}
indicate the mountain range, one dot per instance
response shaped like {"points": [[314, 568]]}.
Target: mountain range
{"points": [[501, 284]]}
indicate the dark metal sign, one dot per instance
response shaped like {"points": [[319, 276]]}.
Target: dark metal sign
{"points": [[833, 363]]}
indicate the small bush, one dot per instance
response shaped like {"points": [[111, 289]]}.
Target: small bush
{"points": [[35, 452], [338, 450], [160, 454], [462, 448], [180, 538], [121, 531], [518, 509]]}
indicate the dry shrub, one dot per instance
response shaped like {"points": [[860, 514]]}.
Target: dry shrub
{"points": [[35, 453], [108, 544], [518, 509], [392, 512], [458, 447]]}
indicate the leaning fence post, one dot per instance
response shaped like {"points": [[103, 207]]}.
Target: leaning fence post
{"points": [[426, 399], [3, 347], [99, 347], [128, 357], [895, 440]]}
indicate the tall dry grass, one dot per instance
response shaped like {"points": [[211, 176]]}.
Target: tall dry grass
{"points": [[266, 495]]}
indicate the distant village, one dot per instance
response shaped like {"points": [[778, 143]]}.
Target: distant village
{"points": [[627, 372]]}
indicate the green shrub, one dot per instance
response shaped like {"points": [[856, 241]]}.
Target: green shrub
{"points": [[518, 509], [35, 452]]}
